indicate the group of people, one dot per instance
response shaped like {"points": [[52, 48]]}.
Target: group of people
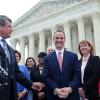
{"points": [[59, 75], [32, 71]]}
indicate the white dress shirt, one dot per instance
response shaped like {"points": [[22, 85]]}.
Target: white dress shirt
{"points": [[84, 62], [62, 51], [1, 43]]}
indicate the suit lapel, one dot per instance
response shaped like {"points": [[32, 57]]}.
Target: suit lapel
{"points": [[65, 60], [1, 49], [88, 63], [11, 56], [55, 61], [2, 53]]}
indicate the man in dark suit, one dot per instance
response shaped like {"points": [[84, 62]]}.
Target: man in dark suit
{"points": [[61, 72], [9, 71]]}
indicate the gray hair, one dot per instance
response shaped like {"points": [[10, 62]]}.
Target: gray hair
{"points": [[3, 20]]}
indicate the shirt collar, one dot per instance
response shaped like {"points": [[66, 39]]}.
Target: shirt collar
{"points": [[62, 51], [0, 38], [86, 58]]}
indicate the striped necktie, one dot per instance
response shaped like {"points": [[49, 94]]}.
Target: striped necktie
{"points": [[6, 49]]}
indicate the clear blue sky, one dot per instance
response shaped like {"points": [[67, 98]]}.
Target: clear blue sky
{"points": [[16, 8]]}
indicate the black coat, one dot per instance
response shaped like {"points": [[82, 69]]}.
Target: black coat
{"points": [[91, 77], [37, 77], [8, 92]]}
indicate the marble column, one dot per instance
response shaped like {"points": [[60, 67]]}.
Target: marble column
{"points": [[31, 46], [13, 43], [22, 50], [53, 29], [81, 32], [96, 26], [67, 35], [41, 41], [49, 41]]}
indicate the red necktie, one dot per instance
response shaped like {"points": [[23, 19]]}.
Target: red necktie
{"points": [[60, 59]]}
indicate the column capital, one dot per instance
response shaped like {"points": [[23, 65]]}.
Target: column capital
{"points": [[22, 38], [31, 36], [14, 40], [66, 23], [95, 15], [80, 20], [13, 43], [42, 32]]}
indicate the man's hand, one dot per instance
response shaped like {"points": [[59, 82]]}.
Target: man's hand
{"points": [[41, 95], [22, 94], [37, 86], [82, 93], [60, 93], [63, 92], [66, 90]]}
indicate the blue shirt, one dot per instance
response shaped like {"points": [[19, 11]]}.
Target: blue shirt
{"points": [[24, 70]]}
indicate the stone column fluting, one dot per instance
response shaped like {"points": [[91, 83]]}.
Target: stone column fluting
{"points": [[96, 25], [41, 41], [31, 45], [67, 35], [22, 50], [81, 32]]}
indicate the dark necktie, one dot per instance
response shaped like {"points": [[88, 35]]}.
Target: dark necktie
{"points": [[4, 68], [6, 49]]}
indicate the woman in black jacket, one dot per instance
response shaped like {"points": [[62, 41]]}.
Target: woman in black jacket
{"points": [[36, 76], [90, 72]]}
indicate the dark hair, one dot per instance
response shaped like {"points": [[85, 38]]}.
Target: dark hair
{"points": [[59, 31], [89, 44], [3, 20], [18, 53], [42, 55], [30, 58]]}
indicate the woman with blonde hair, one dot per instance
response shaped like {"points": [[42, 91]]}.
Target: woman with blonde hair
{"points": [[90, 71]]}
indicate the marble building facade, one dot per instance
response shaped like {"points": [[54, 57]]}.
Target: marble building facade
{"points": [[79, 19]]}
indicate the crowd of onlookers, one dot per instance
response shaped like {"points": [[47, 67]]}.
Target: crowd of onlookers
{"points": [[32, 69]]}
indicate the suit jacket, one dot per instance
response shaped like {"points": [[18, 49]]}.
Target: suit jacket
{"points": [[37, 77], [91, 76], [8, 92], [35, 74], [55, 78]]}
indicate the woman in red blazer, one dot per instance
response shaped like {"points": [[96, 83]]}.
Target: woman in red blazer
{"points": [[90, 72]]}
